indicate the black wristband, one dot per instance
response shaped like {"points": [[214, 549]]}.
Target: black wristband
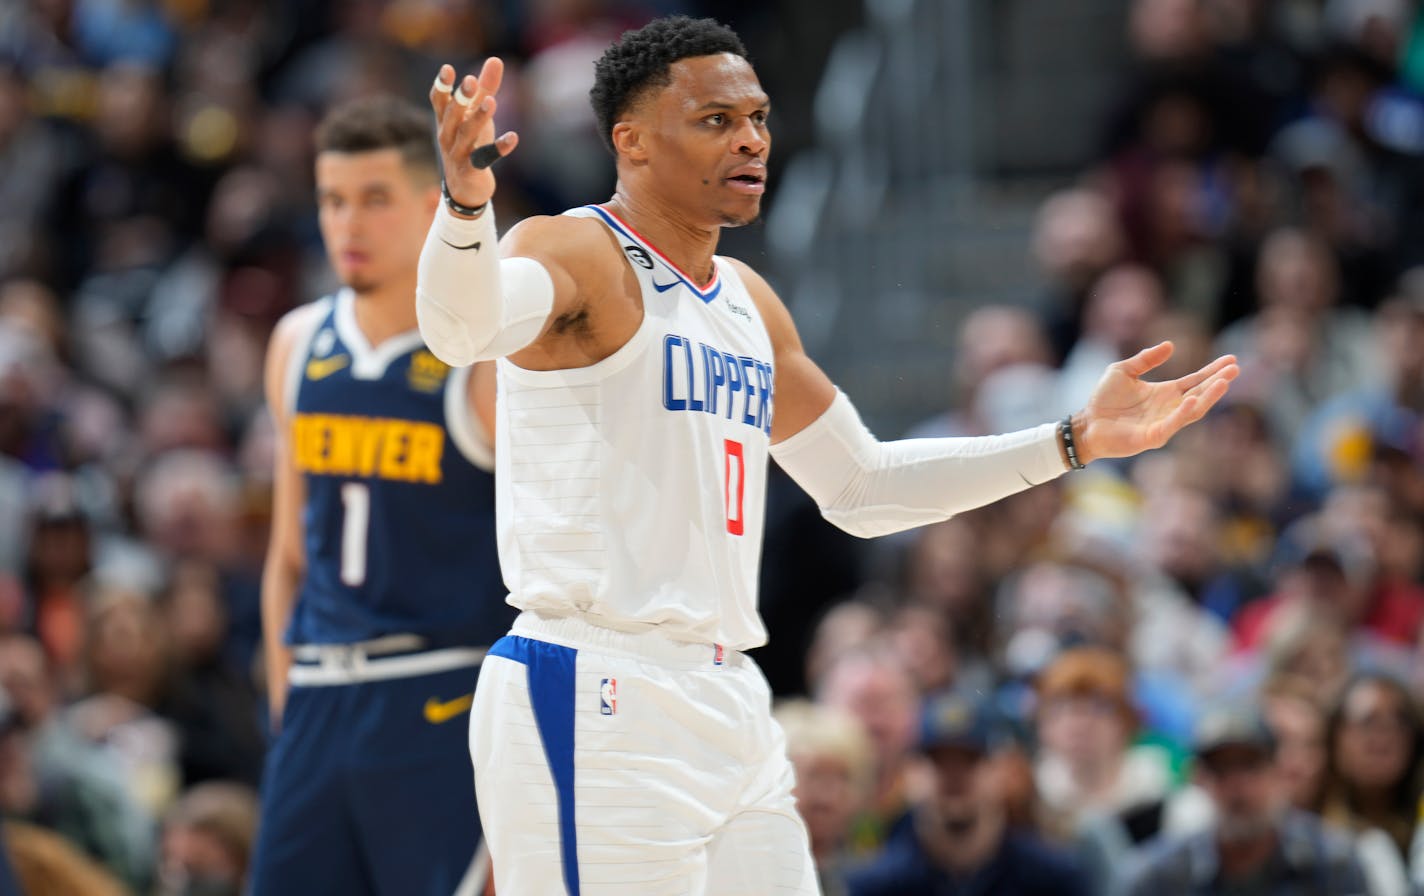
{"points": [[457, 208], [1065, 430]]}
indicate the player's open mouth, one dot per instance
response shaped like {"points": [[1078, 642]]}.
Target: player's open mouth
{"points": [[749, 182]]}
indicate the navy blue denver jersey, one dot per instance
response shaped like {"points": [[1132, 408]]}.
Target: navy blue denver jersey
{"points": [[399, 524]]}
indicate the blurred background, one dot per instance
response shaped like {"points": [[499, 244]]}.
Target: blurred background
{"points": [[975, 205]]}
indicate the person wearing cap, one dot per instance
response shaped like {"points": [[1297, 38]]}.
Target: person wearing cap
{"points": [[1257, 845], [962, 842]]}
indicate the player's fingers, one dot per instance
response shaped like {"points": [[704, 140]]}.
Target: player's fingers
{"points": [[473, 130], [492, 75], [1192, 380], [487, 154], [1225, 374], [441, 90], [456, 109], [1145, 360], [1195, 405]]}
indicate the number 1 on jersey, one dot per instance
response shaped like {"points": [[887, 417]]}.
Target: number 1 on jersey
{"points": [[734, 485], [356, 504]]}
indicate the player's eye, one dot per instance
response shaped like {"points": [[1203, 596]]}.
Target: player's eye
{"points": [[716, 120], [759, 117]]}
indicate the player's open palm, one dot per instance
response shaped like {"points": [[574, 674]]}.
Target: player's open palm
{"points": [[1127, 415], [464, 116]]}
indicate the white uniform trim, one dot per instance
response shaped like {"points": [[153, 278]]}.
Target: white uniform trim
{"points": [[477, 877], [310, 323], [466, 429], [343, 666], [369, 363]]}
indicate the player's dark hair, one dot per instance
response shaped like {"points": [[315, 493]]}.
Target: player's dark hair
{"points": [[640, 60], [381, 122]]}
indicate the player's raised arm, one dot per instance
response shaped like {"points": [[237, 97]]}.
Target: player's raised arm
{"points": [[472, 304], [868, 487]]}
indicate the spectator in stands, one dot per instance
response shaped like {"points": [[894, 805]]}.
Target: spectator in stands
{"points": [[960, 840], [1094, 784], [1255, 844], [834, 772], [1123, 307], [1180, 537], [1300, 348], [873, 685], [207, 841], [62, 779], [1076, 238], [212, 702], [1375, 743], [1297, 722]]}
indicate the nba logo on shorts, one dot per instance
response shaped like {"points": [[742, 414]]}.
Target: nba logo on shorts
{"points": [[717, 654], [608, 696]]}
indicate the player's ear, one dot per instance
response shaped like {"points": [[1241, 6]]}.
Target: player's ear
{"points": [[629, 143]]}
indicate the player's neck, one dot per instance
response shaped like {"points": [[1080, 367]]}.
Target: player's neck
{"points": [[686, 245], [386, 311]]}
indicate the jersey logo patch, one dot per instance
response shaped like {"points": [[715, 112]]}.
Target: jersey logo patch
{"points": [[640, 256], [738, 310], [427, 372], [324, 342], [438, 712], [664, 287], [321, 368], [608, 697]]}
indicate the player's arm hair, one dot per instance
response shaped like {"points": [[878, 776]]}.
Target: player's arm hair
{"points": [[868, 487], [477, 300], [285, 562]]}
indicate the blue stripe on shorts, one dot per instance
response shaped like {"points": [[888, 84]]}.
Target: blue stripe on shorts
{"points": [[551, 692]]}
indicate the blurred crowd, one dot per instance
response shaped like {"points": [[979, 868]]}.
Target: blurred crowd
{"points": [[1200, 666], [1198, 671]]}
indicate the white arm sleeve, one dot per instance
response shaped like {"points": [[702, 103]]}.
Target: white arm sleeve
{"points": [[870, 488], [471, 304]]}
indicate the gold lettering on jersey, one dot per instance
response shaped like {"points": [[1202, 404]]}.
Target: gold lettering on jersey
{"points": [[368, 447], [427, 372]]}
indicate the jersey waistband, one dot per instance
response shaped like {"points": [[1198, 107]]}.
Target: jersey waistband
{"points": [[337, 664], [578, 633]]}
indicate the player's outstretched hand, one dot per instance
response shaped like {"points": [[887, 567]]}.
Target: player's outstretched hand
{"points": [[1127, 416], [464, 116]]}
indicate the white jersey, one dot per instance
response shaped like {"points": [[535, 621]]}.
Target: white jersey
{"points": [[632, 492]]}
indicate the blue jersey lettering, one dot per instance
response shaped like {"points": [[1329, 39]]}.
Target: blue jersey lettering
{"points": [[709, 380]]}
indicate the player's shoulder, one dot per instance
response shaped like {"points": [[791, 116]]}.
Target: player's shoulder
{"points": [[301, 321], [754, 282], [561, 236], [773, 311], [294, 329]]}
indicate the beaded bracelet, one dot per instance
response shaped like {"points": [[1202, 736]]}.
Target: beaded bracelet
{"points": [[1065, 429]]}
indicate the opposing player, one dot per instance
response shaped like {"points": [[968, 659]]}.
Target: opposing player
{"points": [[381, 590], [622, 742]]}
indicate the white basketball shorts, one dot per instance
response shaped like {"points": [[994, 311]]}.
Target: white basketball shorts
{"points": [[610, 764]]}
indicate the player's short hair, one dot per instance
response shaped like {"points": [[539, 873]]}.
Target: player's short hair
{"points": [[374, 123], [640, 60]]}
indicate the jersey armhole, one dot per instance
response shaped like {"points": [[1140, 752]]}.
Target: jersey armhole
{"points": [[301, 348], [466, 429]]}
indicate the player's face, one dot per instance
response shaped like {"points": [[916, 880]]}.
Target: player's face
{"points": [[708, 137], [374, 213]]}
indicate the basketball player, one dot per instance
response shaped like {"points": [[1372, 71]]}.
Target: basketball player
{"points": [[381, 589], [622, 742]]}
